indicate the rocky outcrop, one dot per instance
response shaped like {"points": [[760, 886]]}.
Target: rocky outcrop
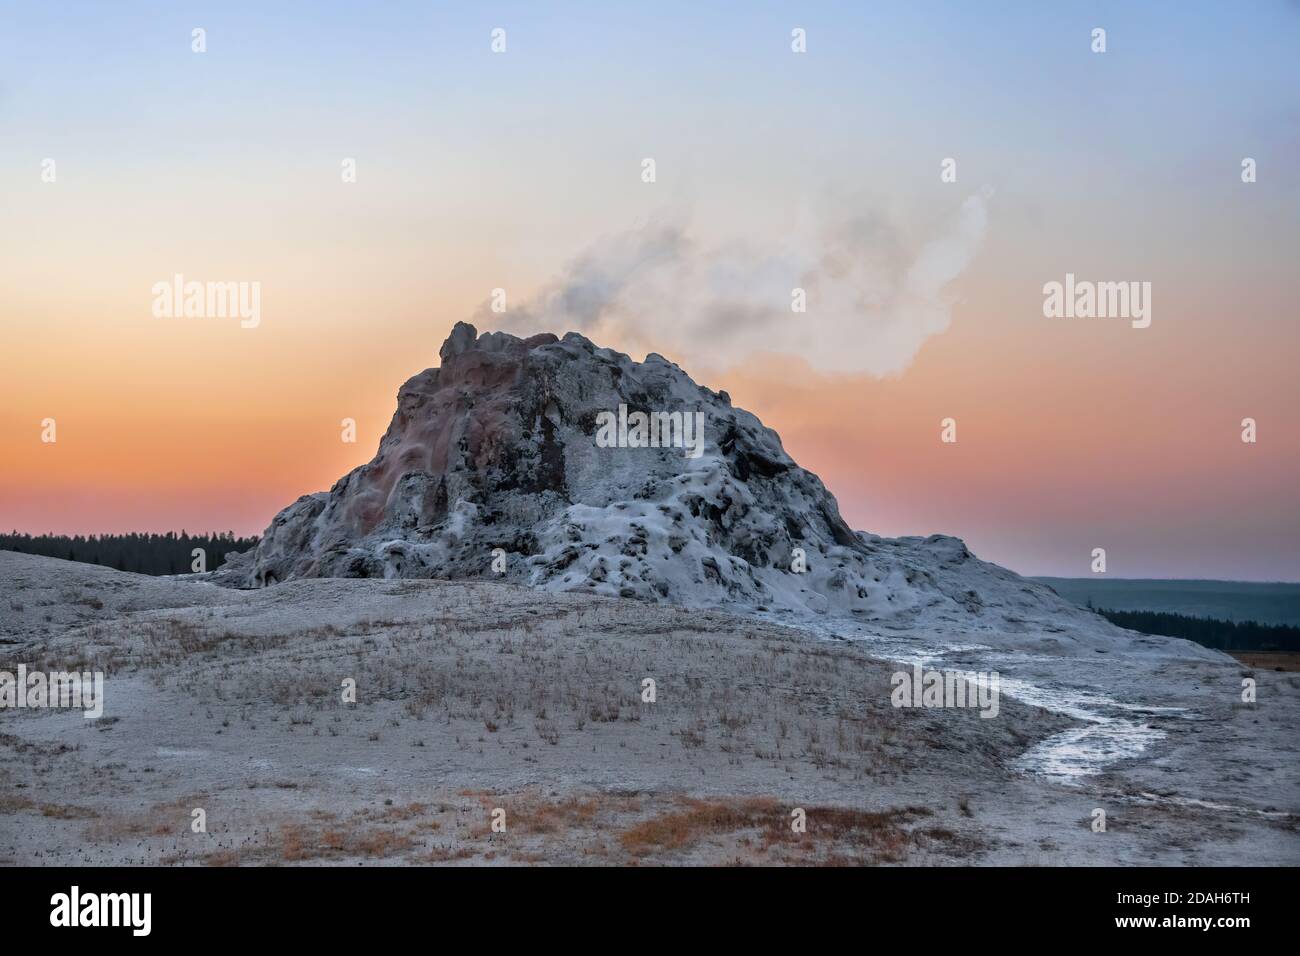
{"points": [[495, 466]]}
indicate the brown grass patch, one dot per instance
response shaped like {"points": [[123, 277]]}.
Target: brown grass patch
{"points": [[445, 854], [13, 803], [1269, 660], [835, 835], [298, 842], [672, 831], [114, 829]]}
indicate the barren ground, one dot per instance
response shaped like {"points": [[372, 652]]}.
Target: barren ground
{"points": [[478, 696]]}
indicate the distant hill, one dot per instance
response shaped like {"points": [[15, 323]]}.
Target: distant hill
{"points": [[1264, 603], [147, 553], [1209, 632]]}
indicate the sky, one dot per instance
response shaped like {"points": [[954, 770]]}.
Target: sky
{"points": [[126, 158]]}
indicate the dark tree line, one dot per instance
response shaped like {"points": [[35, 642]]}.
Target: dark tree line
{"points": [[169, 553], [1221, 635]]}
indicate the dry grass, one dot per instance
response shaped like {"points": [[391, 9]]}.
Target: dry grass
{"points": [[672, 831], [599, 828], [391, 814], [160, 820], [535, 815], [834, 835], [298, 842], [119, 829], [448, 854], [1269, 660], [14, 803]]}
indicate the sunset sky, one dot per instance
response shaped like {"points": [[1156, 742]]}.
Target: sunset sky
{"points": [[479, 170]]}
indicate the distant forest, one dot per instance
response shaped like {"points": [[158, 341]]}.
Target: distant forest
{"points": [[169, 553], [1221, 635]]}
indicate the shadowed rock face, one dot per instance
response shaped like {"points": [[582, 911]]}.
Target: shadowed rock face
{"points": [[497, 449]]}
